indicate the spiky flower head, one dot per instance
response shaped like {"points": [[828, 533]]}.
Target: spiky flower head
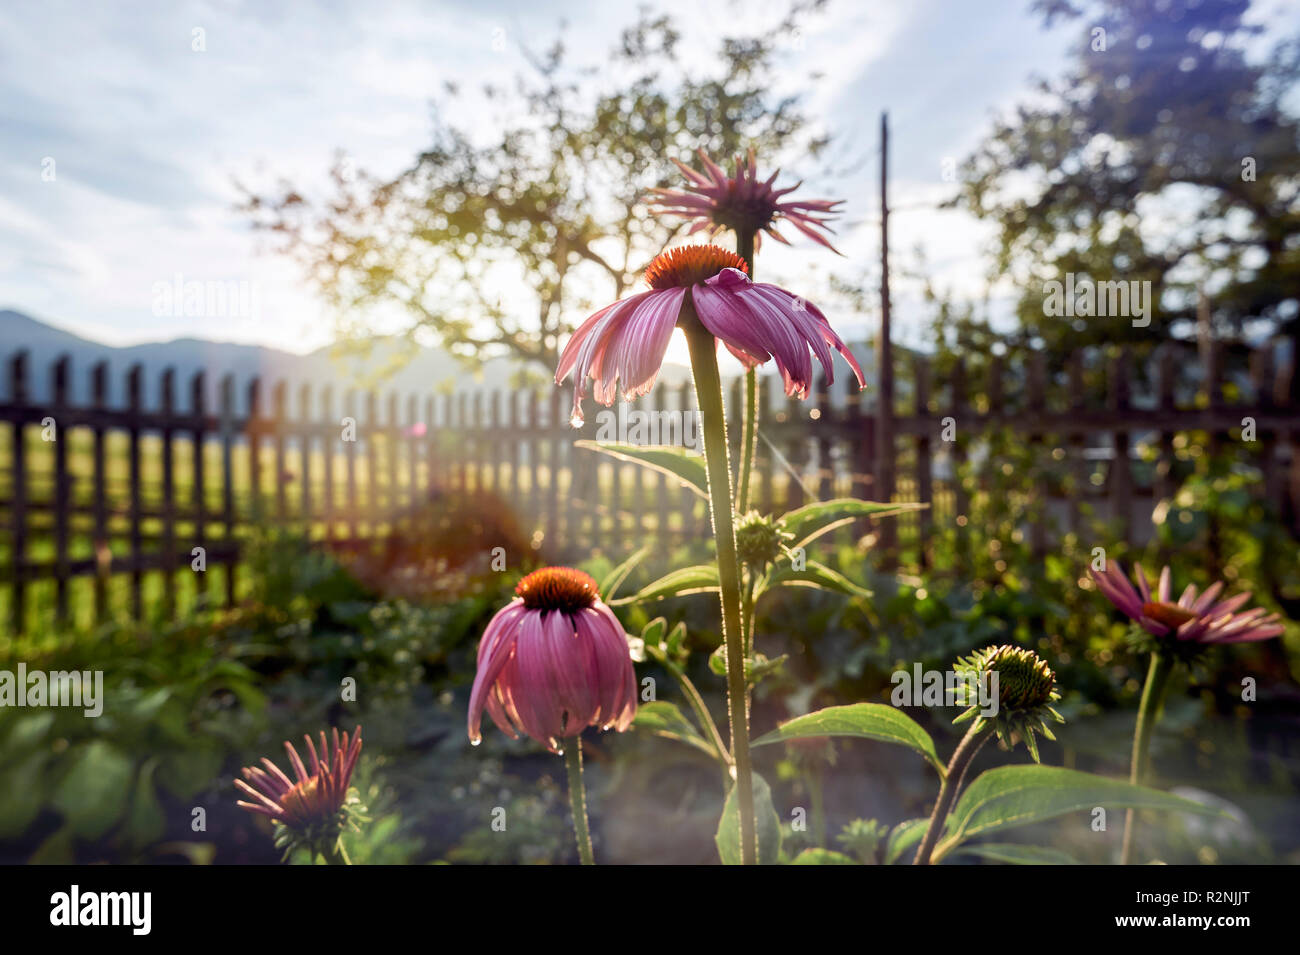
{"points": [[760, 540], [311, 812], [1187, 626], [1026, 688], [714, 202]]}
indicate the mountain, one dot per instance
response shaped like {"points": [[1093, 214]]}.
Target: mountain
{"points": [[428, 370]]}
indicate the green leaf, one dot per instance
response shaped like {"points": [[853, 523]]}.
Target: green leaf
{"points": [[815, 575], [811, 521], [904, 836], [146, 822], [1011, 796], [1015, 854], [699, 579], [769, 826], [614, 579], [22, 793], [866, 720], [671, 460], [653, 632], [676, 640], [665, 719], [822, 857], [92, 795]]}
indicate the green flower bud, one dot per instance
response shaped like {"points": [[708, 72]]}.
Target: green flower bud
{"points": [[1026, 692], [759, 541]]}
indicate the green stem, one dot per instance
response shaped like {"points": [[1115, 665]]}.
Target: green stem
{"points": [[747, 611], [971, 744], [578, 798], [701, 711], [336, 855], [1153, 701], [747, 437], [713, 420], [749, 432]]}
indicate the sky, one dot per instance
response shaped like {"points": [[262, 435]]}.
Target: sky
{"points": [[126, 126]]}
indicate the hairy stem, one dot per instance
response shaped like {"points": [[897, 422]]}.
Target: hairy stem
{"points": [[713, 419], [970, 744], [578, 799]]}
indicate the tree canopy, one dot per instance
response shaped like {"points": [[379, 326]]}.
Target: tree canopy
{"points": [[1166, 154], [494, 244]]}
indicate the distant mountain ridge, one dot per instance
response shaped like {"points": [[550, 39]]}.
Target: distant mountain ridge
{"points": [[429, 370]]}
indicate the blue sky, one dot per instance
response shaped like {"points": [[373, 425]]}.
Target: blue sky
{"points": [[147, 135]]}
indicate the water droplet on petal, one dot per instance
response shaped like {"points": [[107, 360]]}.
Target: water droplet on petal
{"points": [[476, 742], [576, 420]]}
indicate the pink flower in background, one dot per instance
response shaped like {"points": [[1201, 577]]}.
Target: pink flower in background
{"points": [[1198, 617], [416, 430], [317, 798], [622, 346], [744, 203], [552, 662]]}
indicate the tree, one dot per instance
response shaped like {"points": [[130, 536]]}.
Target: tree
{"points": [[490, 246], [1165, 155]]}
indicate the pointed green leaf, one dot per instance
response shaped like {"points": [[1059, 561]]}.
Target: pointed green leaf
{"points": [[665, 719], [93, 795], [1015, 854], [699, 579], [815, 575], [614, 579], [673, 461], [1010, 796], [904, 836], [811, 521], [769, 827], [865, 720]]}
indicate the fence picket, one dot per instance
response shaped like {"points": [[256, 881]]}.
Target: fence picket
{"points": [[583, 501]]}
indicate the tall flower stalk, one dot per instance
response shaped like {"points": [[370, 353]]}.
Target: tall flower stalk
{"points": [[1173, 632], [704, 290], [713, 427]]}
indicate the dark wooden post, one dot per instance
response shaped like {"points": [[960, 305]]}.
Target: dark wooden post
{"points": [[168, 412], [199, 410], [62, 490], [102, 545], [133, 403]]}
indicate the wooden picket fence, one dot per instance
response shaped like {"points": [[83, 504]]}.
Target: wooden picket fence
{"points": [[93, 496]]}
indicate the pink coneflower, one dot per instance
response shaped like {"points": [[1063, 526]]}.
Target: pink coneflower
{"points": [[744, 203], [1199, 618], [552, 662], [314, 804], [623, 345]]}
